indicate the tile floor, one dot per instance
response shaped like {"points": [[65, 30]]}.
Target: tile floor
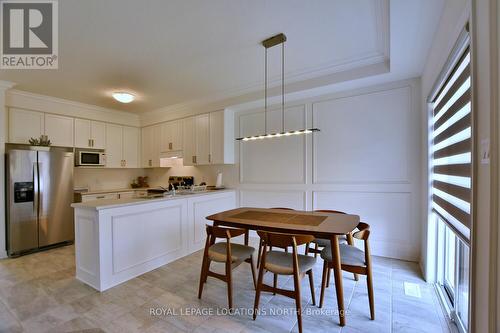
{"points": [[38, 293]]}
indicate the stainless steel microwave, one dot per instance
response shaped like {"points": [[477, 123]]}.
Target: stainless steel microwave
{"points": [[90, 158]]}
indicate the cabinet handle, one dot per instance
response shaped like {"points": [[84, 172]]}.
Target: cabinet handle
{"points": [[209, 158], [100, 197], [150, 163], [170, 145], [194, 159], [90, 143]]}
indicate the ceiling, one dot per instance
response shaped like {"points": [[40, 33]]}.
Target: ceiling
{"points": [[177, 51]]}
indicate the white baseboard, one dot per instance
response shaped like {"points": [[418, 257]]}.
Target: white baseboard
{"points": [[3, 254]]}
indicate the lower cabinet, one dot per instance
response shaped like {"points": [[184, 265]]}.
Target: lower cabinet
{"points": [[201, 207]]}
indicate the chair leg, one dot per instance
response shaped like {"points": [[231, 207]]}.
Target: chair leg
{"points": [[311, 284], [307, 249], [253, 272], [259, 254], [286, 249], [323, 283], [316, 250], [275, 283], [257, 291], [203, 275], [328, 278], [369, 284], [356, 277], [229, 285], [298, 303]]}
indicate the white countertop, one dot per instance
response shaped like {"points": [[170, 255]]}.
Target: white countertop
{"points": [[114, 203]]}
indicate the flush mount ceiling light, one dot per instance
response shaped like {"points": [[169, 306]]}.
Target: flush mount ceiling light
{"points": [[268, 43], [123, 97]]}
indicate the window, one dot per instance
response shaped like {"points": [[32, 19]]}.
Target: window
{"points": [[451, 161]]}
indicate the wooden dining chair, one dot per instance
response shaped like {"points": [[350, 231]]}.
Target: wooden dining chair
{"points": [[282, 263], [353, 260], [231, 254], [261, 242], [320, 242]]}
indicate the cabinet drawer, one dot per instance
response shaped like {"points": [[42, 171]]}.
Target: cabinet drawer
{"points": [[93, 197]]}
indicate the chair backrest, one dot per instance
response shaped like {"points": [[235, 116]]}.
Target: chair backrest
{"points": [[329, 211], [283, 208], [284, 240], [223, 232], [363, 231]]}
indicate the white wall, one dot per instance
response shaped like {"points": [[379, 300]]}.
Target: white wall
{"points": [[365, 160]]}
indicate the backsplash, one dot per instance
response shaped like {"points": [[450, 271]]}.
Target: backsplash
{"points": [[103, 179], [205, 173]]}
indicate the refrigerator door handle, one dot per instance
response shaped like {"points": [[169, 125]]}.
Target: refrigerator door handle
{"points": [[40, 189], [36, 187]]}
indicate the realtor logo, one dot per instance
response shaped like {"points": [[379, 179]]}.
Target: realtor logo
{"points": [[29, 34]]}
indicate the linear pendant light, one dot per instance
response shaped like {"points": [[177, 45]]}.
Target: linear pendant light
{"points": [[268, 43]]}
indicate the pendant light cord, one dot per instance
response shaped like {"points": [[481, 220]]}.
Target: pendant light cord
{"points": [[283, 87], [265, 93]]}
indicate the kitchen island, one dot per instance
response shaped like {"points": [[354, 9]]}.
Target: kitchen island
{"points": [[119, 239]]}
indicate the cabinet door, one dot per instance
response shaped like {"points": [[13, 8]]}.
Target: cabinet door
{"points": [[217, 137], [147, 146], [114, 146], [59, 129], [188, 141], [176, 136], [202, 125], [24, 124], [155, 154], [82, 133], [98, 134], [165, 137], [130, 147]]}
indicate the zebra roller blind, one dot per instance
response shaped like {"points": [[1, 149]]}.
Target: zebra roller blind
{"points": [[452, 148]]}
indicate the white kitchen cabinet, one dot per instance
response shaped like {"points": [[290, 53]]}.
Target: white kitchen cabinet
{"points": [[189, 141], [217, 137], [101, 196], [122, 146], [25, 124], [130, 154], [202, 128], [90, 134], [60, 130], [171, 136], [114, 146], [151, 137]]}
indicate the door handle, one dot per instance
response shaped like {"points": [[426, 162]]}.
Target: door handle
{"points": [[40, 189], [35, 185]]}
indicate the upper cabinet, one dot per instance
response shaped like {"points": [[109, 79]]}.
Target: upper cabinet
{"points": [[24, 124], [171, 136], [122, 146], [217, 137], [90, 134], [151, 139], [59, 129], [208, 139]]}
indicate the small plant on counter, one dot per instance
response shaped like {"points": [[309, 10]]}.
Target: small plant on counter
{"points": [[140, 182]]}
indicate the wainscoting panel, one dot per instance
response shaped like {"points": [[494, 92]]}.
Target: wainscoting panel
{"points": [[394, 232], [269, 198], [363, 138], [139, 238], [279, 160]]}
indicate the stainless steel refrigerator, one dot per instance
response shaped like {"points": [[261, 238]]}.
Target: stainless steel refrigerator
{"points": [[39, 187]]}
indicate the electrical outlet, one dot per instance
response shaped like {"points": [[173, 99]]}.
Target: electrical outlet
{"points": [[485, 151]]}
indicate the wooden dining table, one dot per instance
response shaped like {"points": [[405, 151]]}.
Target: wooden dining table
{"points": [[319, 224]]}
